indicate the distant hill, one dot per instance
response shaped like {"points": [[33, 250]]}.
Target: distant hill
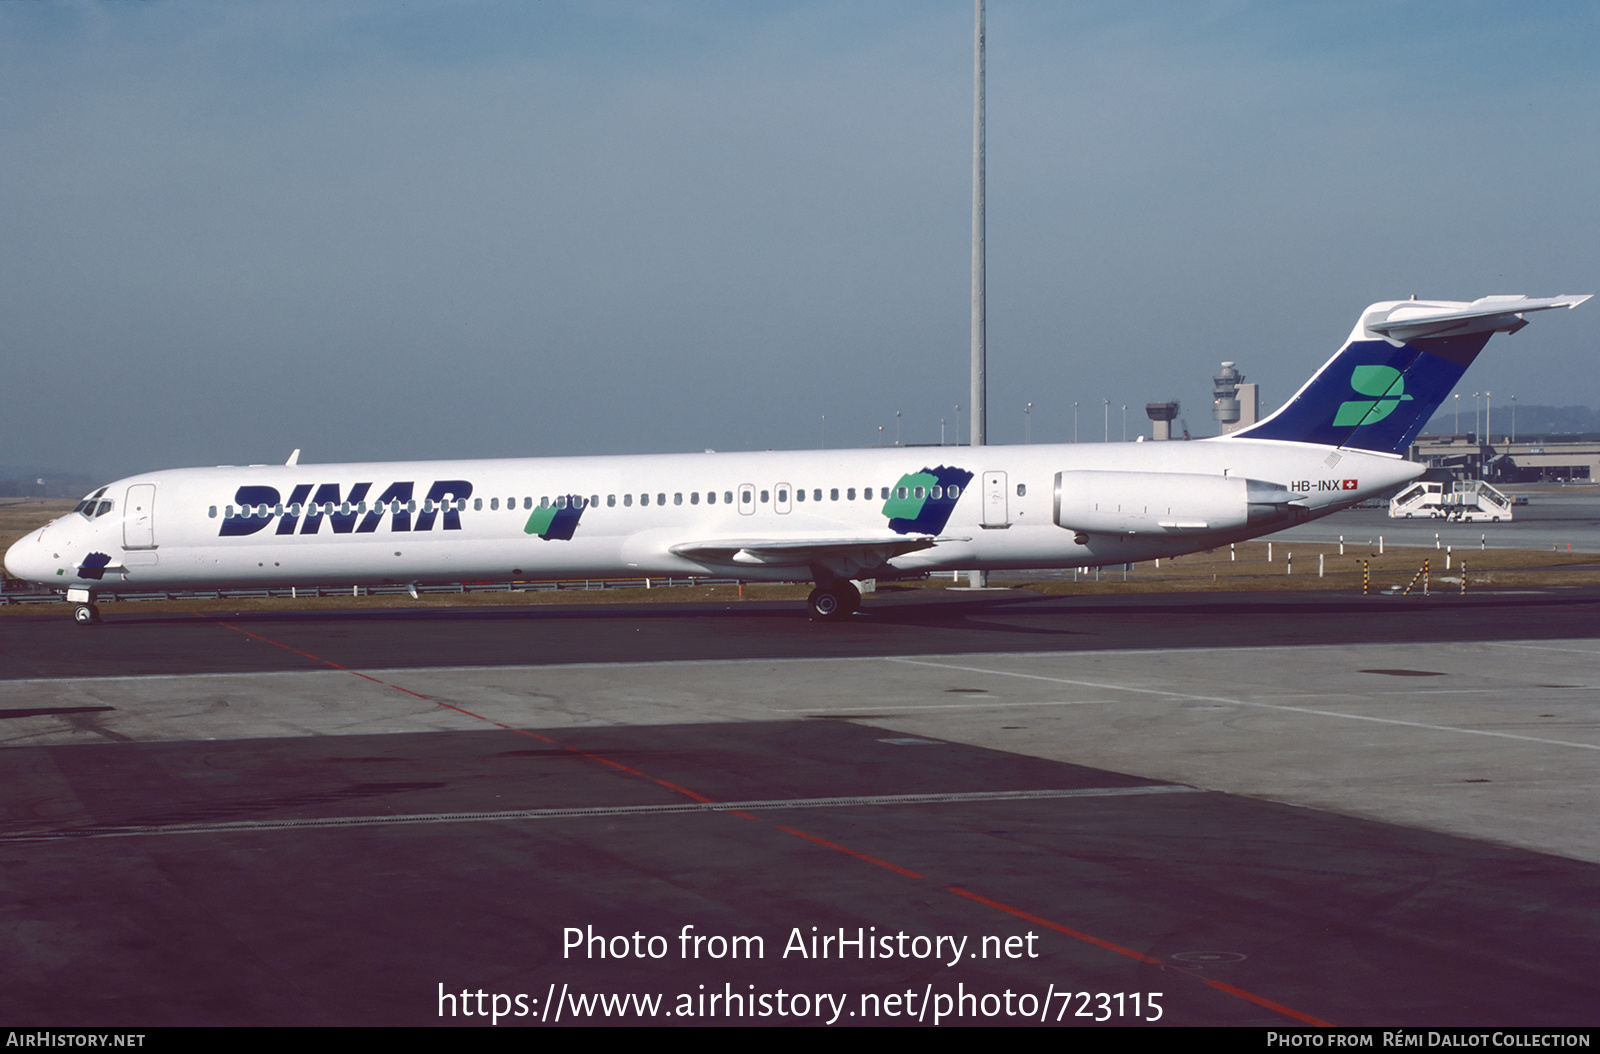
{"points": [[1531, 420]]}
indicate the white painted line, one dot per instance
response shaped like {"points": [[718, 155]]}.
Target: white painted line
{"points": [[847, 801], [1540, 647], [936, 706], [1098, 686]]}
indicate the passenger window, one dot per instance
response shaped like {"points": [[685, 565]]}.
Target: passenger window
{"points": [[953, 492], [764, 497], [229, 512], [611, 501], [799, 494], [851, 494], [677, 499], [627, 501], [833, 495], [711, 497], [477, 504], [727, 496], [694, 497], [594, 499], [783, 496], [644, 499], [901, 492], [935, 492], [661, 499], [916, 492], [816, 495], [494, 504], [544, 502], [1022, 490], [527, 503], [561, 501], [213, 512]]}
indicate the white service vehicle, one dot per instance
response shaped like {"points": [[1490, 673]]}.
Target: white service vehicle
{"points": [[1462, 500]]}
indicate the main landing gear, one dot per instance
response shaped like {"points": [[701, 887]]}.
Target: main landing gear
{"points": [[835, 600]]}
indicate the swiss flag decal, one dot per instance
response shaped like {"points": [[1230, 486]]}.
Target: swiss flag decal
{"points": [[1349, 484]]}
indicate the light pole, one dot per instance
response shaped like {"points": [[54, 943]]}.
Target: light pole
{"points": [[1027, 425], [1124, 422], [1477, 405], [1458, 413], [824, 431], [880, 435], [1513, 418], [897, 428], [941, 431], [1107, 439], [958, 424], [1074, 422], [1488, 411]]}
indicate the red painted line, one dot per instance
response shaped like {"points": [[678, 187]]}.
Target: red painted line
{"points": [[605, 761], [845, 849], [1076, 934], [686, 792], [1220, 986]]}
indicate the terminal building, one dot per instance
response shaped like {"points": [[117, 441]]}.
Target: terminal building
{"points": [[1567, 457]]}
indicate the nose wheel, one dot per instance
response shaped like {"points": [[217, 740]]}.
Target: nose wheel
{"points": [[836, 600], [85, 614]]}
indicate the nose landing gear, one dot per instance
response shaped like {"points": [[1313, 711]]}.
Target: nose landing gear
{"points": [[85, 614]]}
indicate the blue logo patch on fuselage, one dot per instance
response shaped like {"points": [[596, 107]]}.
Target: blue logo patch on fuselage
{"points": [[94, 566]]}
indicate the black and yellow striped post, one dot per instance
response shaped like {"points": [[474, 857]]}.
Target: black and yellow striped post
{"points": [[1366, 578]]}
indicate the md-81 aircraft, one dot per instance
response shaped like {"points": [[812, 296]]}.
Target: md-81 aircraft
{"points": [[828, 516]]}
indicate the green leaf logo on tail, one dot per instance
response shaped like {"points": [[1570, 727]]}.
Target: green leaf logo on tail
{"points": [[1388, 389]]}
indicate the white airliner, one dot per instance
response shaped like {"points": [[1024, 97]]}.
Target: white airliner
{"points": [[827, 516]]}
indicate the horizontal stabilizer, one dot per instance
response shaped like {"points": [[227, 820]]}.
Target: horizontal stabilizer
{"points": [[1411, 319]]}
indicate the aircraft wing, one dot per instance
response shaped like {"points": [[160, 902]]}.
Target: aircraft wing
{"points": [[844, 556], [1412, 319]]}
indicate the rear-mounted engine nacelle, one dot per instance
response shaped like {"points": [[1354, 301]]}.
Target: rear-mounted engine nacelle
{"points": [[1167, 503]]}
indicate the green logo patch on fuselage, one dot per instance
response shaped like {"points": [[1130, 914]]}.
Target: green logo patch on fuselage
{"points": [[1387, 387], [916, 486], [540, 520]]}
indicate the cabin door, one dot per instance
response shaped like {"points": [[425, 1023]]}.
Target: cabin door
{"points": [[996, 510], [138, 521]]}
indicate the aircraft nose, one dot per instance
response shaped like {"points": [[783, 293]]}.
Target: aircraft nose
{"points": [[28, 560]]}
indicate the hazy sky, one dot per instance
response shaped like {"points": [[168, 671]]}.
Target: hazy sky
{"points": [[467, 229]]}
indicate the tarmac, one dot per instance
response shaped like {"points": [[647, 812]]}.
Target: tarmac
{"points": [[1199, 810]]}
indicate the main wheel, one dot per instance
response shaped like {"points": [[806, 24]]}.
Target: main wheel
{"points": [[833, 602], [85, 614]]}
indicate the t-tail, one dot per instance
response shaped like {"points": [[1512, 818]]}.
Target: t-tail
{"points": [[1400, 363]]}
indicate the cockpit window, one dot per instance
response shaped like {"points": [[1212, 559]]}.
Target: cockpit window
{"points": [[87, 505]]}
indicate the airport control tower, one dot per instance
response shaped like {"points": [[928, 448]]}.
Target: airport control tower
{"points": [[1234, 403]]}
